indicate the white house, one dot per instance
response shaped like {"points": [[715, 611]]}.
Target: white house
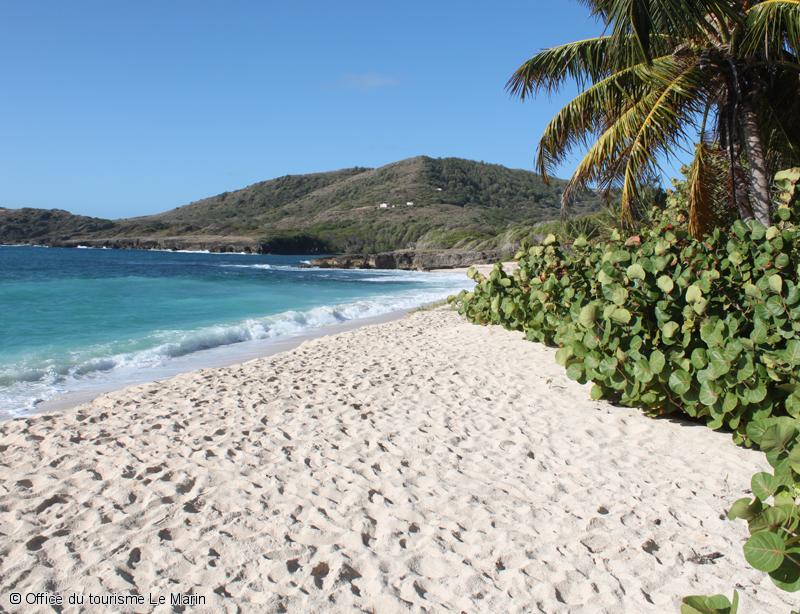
{"points": [[410, 203], [384, 205]]}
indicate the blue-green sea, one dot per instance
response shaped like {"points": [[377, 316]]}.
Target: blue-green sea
{"points": [[77, 319]]}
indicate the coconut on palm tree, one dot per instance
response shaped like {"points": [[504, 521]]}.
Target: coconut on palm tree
{"points": [[724, 74]]}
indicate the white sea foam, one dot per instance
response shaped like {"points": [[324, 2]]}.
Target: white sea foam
{"points": [[384, 276], [270, 267], [165, 251], [23, 387], [22, 245], [201, 251]]}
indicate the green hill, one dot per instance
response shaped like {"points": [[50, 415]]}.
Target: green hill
{"points": [[47, 225], [456, 204]]}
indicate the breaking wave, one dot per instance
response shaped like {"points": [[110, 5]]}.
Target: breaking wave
{"points": [[24, 386]]}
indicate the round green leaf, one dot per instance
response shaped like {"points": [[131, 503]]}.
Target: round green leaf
{"points": [[657, 361], [699, 306], [680, 382], [776, 283], [714, 604], [794, 457], [765, 551], [699, 358], [665, 283], [751, 290], [642, 371], [771, 519], [777, 437], [762, 485], [635, 271], [787, 576], [792, 352], [709, 394], [757, 231], [744, 509], [563, 355], [575, 371], [758, 394], [669, 329], [604, 278], [693, 294], [730, 402], [588, 315], [621, 315]]}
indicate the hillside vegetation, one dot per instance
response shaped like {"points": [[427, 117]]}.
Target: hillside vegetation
{"points": [[457, 204], [45, 225]]}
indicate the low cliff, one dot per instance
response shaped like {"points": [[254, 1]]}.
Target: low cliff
{"points": [[216, 245], [411, 260]]}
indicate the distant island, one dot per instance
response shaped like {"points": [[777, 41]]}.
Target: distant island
{"points": [[426, 211]]}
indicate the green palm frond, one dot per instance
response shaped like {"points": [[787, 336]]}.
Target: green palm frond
{"points": [[587, 114], [628, 150], [773, 28], [661, 130], [660, 65], [585, 61], [600, 165], [646, 18]]}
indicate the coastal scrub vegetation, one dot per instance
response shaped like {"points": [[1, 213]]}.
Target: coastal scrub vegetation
{"points": [[705, 328]]}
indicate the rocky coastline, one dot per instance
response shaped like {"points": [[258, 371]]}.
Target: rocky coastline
{"points": [[411, 260], [166, 244], [408, 259]]}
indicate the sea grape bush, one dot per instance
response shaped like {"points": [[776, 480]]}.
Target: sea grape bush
{"points": [[773, 515], [662, 321], [715, 604], [708, 328]]}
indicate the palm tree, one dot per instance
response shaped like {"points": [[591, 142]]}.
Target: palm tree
{"points": [[724, 74]]}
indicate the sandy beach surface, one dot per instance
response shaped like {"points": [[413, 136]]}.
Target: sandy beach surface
{"points": [[423, 464]]}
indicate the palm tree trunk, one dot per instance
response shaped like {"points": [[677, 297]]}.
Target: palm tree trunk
{"points": [[741, 183], [757, 161]]}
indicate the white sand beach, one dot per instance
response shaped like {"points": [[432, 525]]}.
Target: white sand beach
{"points": [[423, 464]]}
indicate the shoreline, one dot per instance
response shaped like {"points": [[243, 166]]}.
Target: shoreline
{"points": [[73, 368], [420, 463], [213, 358], [450, 269], [227, 355]]}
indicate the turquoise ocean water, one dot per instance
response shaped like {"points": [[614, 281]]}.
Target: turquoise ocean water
{"points": [[73, 319]]}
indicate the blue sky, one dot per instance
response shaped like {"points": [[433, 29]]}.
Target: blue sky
{"points": [[128, 108]]}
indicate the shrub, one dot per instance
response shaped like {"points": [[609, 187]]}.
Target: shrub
{"points": [[662, 321]]}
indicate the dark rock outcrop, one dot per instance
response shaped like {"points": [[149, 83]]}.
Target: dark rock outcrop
{"points": [[411, 260], [170, 244]]}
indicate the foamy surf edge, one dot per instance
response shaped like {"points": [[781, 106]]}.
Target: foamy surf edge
{"points": [[22, 391]]}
